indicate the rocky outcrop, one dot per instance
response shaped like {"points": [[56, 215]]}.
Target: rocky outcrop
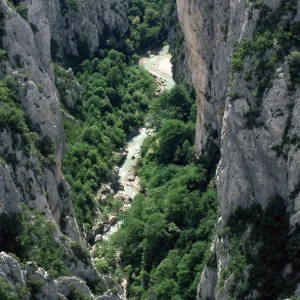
{"points": [[78, 30], [247, 108], [35, 282]]}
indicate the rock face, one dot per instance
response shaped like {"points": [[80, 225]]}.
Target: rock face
{"points": [[209, 28], [79, 29], [177, 48], [46, 31], [248, 112], [43, 286], [30, 55]]}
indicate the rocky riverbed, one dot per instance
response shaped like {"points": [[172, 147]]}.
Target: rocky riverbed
{"points": [[126, 185], [158, 63]]}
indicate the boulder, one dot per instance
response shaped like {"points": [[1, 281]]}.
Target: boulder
{"points": [[113, 220], [98, 238], [131, 178], [103, 199], [124, 197], [105, 228]]}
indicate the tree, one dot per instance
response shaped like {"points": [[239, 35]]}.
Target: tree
{"points": [[152, 17]]}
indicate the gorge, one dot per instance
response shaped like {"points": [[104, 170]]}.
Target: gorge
{"points": [[218, 213]]}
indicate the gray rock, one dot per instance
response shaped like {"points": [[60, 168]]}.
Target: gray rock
{"points": [[98, 238], [47, 287], [207, 290], [10, 270], [109, 296], [67, 285]]}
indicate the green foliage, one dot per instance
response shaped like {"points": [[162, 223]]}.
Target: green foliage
{"points": [[165, 235], [237, 59], [37, 243], [78, 295], [46, 146], [3, 55], [71, 4], [6, 290], [68, 4], [81, 252], [174, 104], [11, 116], [32, 237], [114, 99], [35, 286], [22, 10], [275, 35], [274, 31], [172, 117], [149, 23], [107, 257]]}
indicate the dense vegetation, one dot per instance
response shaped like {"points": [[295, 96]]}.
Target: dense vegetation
{"points": [[114, 98], [149, 23], [166, 233]]}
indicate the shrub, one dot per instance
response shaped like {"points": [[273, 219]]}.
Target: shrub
{"points": [[7, 291], [3, 55], [46, 146], [237, 60], [81, 252], [22, 10]]}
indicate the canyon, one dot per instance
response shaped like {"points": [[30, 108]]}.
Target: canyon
{"points": [[240, 57]]}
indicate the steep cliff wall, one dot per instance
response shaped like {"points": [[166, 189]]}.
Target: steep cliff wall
{"points": [[32, 35], [177, 48], [244, 65]]}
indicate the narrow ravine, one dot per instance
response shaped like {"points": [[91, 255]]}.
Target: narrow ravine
{"points": [[158, 64]]}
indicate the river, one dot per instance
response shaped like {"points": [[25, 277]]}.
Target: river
{"points": [[157, 63]]}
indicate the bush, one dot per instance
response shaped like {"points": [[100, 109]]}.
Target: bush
{"points": [[46, 146], [7, 291], [3, 55], [165, 235], [81, 252], [22, 10], [237, 59]]}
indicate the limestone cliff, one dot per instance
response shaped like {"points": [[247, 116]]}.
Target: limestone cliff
{"points": [[32, 35], [244, 66], [177, 48]]}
